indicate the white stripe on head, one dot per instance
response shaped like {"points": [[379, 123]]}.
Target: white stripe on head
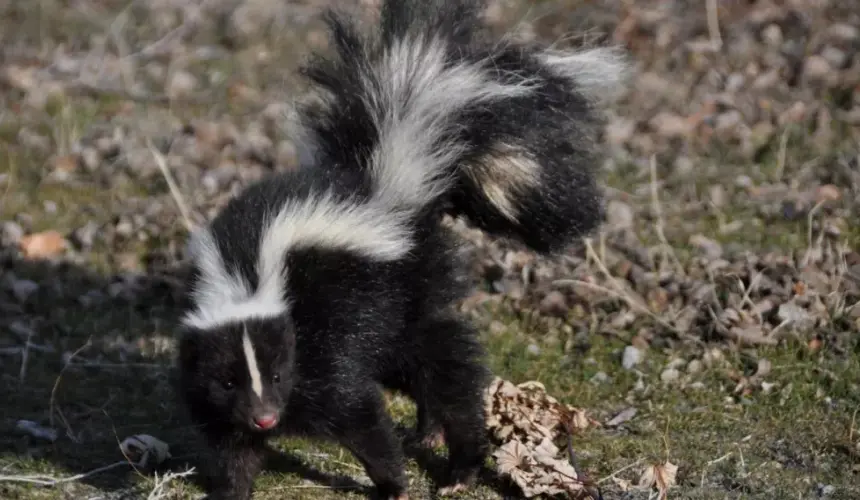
{"points": [[251, 358]]}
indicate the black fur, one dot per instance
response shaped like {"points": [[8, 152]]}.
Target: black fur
{"points": [[356, 323]]}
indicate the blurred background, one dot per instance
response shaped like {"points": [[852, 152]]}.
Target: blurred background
{"points": [[709, 330]]}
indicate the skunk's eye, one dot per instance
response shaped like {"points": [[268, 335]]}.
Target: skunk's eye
{"points": [[276, 378], [229, 384]]}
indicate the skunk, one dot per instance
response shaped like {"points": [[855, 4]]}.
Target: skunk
{"points": [[314, 289]]}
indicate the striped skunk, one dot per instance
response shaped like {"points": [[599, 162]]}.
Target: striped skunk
{"points": [[312, 289]]}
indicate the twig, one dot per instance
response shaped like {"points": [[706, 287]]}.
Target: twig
{"points": [[782, 155], [174, 190], [713, 462], [714, 24], [658, 214], [57, 384], [634, 304], [25, 356], [158, 492], [43, 480], [619, 471]]}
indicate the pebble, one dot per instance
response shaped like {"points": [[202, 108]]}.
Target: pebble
{"points": [[676, 363], [180, 84], [554, 303], [772, 34], [817, 67], [619, 215], [694, 366], [600, 378], [12, 232], [826, 489], [713, 357], [632, 356], [844, 32], [836, 57], [85, 236], [670, 375], [124, 228], [22, 289], [533, 349], [91, 159]]}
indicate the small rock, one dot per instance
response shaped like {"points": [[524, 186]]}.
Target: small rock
{"points": [[533, 349], [125, 227], [632, 356], [729, 120], [91, 159], [713, 357], [718, 195], [623, 416], [844, 32], [670, 125], [735, 82], [619, 131], [18, 77], [709, 247], [826, 490], [12, 232], [670, 375], [816, 68], [744, 181], [22, 289], [694, 366], [836, 57], [619, 215], [676, 363], [828, 192], [599, 378], [180, 84], [772, 35], [85, 236], [697, 385], [554, 303]]}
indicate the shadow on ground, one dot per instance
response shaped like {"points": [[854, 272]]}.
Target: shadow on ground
{"points": [[99, 369]]}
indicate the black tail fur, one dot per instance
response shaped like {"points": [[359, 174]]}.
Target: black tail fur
{"points": [[437, 114]]}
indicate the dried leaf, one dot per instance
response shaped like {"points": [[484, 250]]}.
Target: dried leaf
{"points": [[661, 476], [143, 449], [42, 245], [526, 423]]}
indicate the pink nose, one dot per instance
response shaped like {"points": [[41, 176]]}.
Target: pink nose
{"points": [[266, 421]]}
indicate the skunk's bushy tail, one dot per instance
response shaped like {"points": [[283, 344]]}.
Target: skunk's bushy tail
{"points": [[435, 113]]}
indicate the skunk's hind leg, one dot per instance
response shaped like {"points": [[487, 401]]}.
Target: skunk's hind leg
{"points": [[448, 386]]}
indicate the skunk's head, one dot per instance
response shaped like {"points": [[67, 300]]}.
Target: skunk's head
{"points": [[239, 373]]}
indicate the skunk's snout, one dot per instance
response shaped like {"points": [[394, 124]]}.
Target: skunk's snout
{"points": [[265, 417], [266, 422]]}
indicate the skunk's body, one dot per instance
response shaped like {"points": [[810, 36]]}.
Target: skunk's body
{"points": [[314, 288]]}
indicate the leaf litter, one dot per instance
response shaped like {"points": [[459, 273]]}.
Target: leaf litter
{"points": [[526, 423]]}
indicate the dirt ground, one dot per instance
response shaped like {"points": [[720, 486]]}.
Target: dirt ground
{"points": [[710, 332]]}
